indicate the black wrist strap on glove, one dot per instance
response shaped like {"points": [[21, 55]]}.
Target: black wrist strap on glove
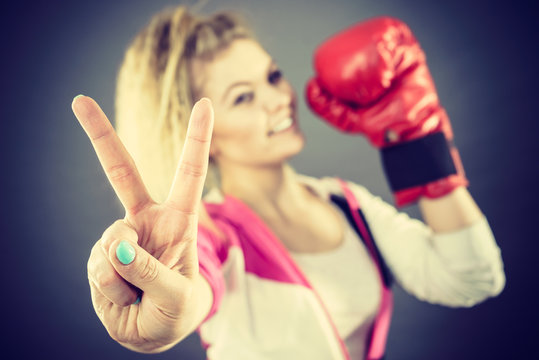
{"points": [[418, 162]]}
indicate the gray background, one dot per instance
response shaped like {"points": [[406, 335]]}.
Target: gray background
{"points": [[56, 201]]}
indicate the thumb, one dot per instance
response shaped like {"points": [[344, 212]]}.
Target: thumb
{"points": [[164, 286]]}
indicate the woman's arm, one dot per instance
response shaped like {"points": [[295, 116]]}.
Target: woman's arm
{"points": [[454, 211], [454, 261]]}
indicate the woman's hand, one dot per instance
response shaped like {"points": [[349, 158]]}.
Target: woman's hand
{"points": [[372, 78], [151, 254]]}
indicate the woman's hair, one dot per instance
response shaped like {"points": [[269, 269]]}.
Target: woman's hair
{"points": [[155, 93]]}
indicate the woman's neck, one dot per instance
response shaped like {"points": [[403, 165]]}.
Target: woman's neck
{"points": [[267, 190]]}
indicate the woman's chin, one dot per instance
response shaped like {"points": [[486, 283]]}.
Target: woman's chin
{"points": [[295, 147]]}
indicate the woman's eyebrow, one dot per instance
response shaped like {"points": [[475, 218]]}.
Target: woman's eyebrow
{"points": [[240, 83], [230, 87]]}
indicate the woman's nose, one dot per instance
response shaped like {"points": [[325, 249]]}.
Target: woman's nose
{"points": [[278, 97]]}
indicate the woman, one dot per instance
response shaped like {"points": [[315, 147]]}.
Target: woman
{"points": [[282, 266]]}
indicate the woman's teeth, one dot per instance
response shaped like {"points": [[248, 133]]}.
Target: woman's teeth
{"points": [[283, 125]]}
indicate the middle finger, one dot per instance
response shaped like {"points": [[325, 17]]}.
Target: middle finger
{"points": [[188, 183]]}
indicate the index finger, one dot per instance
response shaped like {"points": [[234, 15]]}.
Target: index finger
{"points": [[188, 183], [116, 161]]}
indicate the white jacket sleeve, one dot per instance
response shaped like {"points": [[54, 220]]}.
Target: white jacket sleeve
{"points": [[460, 268]]}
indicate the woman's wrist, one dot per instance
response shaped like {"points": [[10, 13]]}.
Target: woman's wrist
{"points": [[451, 212], [150, 347]]}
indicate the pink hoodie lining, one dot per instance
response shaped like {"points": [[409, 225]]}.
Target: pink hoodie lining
{"points": [[383, 318], [232, 206]]}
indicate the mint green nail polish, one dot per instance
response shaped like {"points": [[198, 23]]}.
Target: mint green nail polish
{"points": [[125, 252], [137, 301], [78, 96]]}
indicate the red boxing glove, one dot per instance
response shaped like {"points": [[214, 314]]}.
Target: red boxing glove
{"points": [[372, 78]]}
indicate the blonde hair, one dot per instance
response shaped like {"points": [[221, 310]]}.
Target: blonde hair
{"points": [[155, 93]]}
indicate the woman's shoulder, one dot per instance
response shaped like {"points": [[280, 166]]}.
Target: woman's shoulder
{"points": [[329, 185], [372, 206]]}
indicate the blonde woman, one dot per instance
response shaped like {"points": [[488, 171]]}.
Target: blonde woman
{"points": [[273, 264]]}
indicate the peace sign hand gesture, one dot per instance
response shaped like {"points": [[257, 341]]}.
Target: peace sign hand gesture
{"points": [[151, 254]]}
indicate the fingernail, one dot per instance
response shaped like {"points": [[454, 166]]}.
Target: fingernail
{"points": [[76, 97], [125, 252], [137, 301]]}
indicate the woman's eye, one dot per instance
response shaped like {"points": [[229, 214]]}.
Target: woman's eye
{"points": [[275, 76], [245, 97]]}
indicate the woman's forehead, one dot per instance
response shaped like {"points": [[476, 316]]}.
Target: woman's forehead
{"points": [[243, 61]]}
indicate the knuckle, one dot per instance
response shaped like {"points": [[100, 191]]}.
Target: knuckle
{"points": [[137, 207], [125, 301], [119, 173], [111, 232], [119, 230], [91, 264], [100, 305], [99, 311], [119, 223], [94, 261], [191, 215], [102, 136], [199, 139], [123, 336], [189, 238], [113, 334], [118, 335], [101, 273], [106, 279], [191, 169], [149, 270], [91, 269]]}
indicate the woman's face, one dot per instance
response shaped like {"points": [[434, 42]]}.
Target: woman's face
{"points": [[255, 107]]}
